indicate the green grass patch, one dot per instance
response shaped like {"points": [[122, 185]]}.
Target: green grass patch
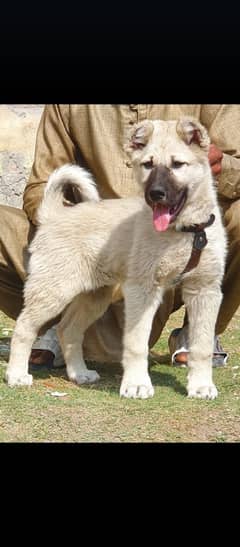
{"points": [[97, 414]]}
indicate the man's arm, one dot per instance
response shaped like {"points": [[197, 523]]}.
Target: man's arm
{"points": [[53, 148], [223, 124]]}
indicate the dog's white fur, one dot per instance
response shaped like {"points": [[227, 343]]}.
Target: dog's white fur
{"points": [[80, 253]]}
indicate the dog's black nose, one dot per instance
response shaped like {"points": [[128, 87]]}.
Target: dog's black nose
{"points": [[158, 195]]}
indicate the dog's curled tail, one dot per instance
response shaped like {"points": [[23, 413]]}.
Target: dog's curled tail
{"points": [[59, 182]]}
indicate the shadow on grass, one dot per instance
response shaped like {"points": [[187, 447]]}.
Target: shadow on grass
{"points": [[159, 378], [163, 379], [111, 375]]}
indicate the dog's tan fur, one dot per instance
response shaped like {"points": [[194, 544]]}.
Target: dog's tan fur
{"points": [[80, 253]]}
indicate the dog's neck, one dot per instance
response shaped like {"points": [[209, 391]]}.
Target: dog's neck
{"points": [[199, 242]]}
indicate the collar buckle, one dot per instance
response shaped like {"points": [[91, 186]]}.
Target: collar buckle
{"points": [[200, 241]]}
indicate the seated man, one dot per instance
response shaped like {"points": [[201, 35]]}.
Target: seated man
{"points": [[93, 136]]}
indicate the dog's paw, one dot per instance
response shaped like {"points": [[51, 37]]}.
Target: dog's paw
{"points": [[14, 380], [203, 392], [136, 390], [85, 377]]}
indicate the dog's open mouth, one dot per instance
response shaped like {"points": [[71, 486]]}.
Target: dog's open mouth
{"points": [[164, 214]]}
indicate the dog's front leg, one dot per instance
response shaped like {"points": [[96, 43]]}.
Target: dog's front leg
{"points": [[202, 307], [140, 308]]}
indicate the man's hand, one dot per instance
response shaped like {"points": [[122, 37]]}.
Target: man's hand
{"points": [[215, 157]]}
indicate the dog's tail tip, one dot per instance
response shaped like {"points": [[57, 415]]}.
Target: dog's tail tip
{"points": [[74, 175], [59, 181]]}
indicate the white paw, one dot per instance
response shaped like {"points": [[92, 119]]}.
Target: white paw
{"points": [[137, 390], [203, 392], [15, 380], [86, 377]]}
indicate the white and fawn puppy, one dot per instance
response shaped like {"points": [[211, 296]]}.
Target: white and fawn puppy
{"points": [[172, 234]]}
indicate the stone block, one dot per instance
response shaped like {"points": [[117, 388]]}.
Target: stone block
{"points": [[18, 128]]}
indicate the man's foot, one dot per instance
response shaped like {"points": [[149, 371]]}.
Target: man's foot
{"points": [[41, 358], [178, 344], [46, 352]]}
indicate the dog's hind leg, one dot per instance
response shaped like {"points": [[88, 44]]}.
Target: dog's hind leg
{"points": [[140, 308], [25, 332], [202, 307], [79, 315], [36, 313], [21, 343]]}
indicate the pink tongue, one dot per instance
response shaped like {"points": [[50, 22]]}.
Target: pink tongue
{"points": [[161, 218]]}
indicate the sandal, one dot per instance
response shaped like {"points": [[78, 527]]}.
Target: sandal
{"points": [[178, 343]]}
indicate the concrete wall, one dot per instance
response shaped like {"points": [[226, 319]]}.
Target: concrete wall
{"points": [[18, 127]]}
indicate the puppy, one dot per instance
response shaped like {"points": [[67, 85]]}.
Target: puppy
{"points": [[173, 234]]}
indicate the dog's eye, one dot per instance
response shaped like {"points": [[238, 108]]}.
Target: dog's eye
{"points": [[177, 164], [148, 164]]}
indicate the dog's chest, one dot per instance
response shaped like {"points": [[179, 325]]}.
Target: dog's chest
{"points": [[172, 258]]}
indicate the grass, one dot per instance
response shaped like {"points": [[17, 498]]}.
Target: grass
{"points": [[97, 414]]}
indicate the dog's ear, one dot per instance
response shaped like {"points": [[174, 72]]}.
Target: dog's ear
{"points": [[138, 136], [193, 132]]}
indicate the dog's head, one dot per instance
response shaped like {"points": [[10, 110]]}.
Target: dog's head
{"points": [[171, 162]]}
